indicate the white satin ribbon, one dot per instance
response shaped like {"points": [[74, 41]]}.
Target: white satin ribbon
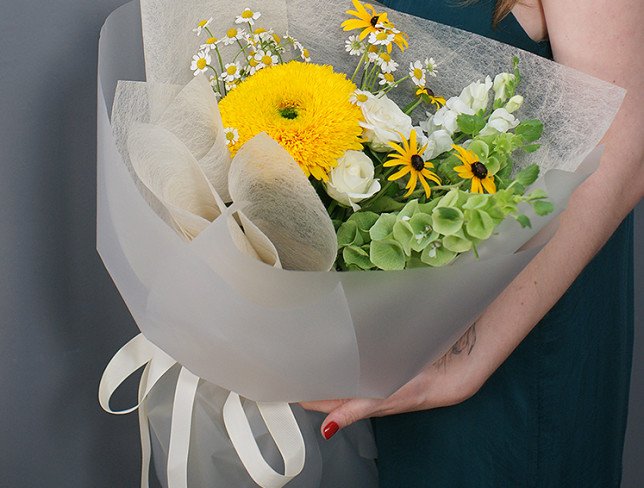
{"points": [[278, 417], [283, 427]]}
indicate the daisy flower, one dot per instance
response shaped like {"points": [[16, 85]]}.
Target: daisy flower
{"points": [[386, 63], [354, 46], [265, 59], [232, 72], [475, 170], [409, 156], [382, 38], [305, 55], [232, 136], [201, 25], [430, 66], [372, 53], [247, 16], [200, 62], [386, 79], [232, 36], [359, 97], [209, 44], [417, 73], [253, 64]]}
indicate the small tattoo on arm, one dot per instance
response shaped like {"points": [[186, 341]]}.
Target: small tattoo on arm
{"points": [[464, 344]]}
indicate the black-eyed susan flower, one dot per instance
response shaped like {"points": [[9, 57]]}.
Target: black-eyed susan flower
{"points": [[475, 170], [429, 97], [409, 156], [366, 19], [304, 107]]}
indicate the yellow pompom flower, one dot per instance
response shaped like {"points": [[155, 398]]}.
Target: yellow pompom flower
{"points": [[304, 107]]}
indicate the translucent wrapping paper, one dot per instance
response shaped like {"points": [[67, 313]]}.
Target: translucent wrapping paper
{"points": [[215, 298]]}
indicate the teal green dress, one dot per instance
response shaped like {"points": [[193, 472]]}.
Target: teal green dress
{"points": [[554, 414]]}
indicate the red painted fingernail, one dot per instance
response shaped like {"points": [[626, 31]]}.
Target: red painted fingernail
{"points": [[330, 429]]}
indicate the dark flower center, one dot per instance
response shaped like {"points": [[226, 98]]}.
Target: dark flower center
{"points": [[374, 20], [417, 162], [289, 112], [479, 170]]}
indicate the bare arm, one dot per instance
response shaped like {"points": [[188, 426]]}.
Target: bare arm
{"points": [[602, 38]]}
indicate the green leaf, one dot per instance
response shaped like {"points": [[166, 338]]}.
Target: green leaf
{"points": [[543, 207], [447, 220], [387, 254], [349, 235], [357, 256], [410, 209], [538, 194], [384, 204], [523, 220], [436, 255], [470, 124], [479, 224], [527, 175], [476, 200], [383, 228], [530, 148], [530, 130]]}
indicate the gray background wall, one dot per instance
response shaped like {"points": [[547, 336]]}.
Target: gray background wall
{"points": [[61, 318]]}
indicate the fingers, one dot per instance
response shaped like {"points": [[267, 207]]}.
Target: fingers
{"points": [[347, 413], [324, 406]]}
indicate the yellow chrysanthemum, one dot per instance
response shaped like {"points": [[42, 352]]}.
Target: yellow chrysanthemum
{"points": [[304, 107], [473, 169], [409, 157]]}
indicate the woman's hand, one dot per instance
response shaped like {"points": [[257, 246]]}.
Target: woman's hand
{"points": [[448, 381]]}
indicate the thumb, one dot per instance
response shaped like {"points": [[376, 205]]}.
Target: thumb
{"points": [[349, 412]]}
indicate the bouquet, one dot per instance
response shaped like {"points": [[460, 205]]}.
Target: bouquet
{"points": [[230, 192]]}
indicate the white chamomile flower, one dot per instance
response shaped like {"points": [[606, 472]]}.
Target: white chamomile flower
{"points": [[201, 25], [373, 54], [386, 79], [247, 16], [381, 38], [200, 62], [417, 73], [386, 63], [232, 36], [232, 135], [305, 55], [265, 59], [359, 97], [231, 85], [253, 64], [354, 46], [430, 66], [209, 44], [232, 72]]}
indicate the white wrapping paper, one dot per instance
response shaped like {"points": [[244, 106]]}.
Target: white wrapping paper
{"points": [[276, 335]]}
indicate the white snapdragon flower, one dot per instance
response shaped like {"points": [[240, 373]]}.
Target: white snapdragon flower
{"points": [[352, 180], [514, 103], [500, 121], [445, 117], [384, 121], [500, 85], [476, 94]]}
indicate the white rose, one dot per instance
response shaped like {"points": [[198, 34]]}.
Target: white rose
{"points": [[352, 180], [500, 121], [383, 121], [500, 85], [514, 103], [475, 95], [438, 142]]}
